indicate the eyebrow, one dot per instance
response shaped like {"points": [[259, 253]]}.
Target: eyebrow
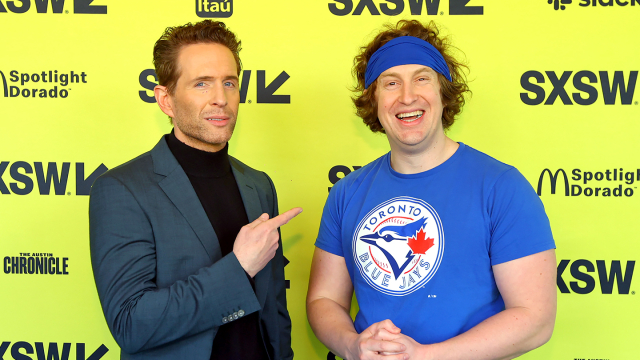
{"points": [[422, 69], [209, 78]]}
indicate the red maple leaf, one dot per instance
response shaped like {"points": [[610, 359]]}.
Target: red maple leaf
{"points": [[418, 244]]}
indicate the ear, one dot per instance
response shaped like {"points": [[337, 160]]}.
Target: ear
{"points": [[164, 100]]}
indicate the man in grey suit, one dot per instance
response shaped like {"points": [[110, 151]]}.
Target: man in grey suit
{"points": [[185, 242]]}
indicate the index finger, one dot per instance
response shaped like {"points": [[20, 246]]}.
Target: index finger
{"points": [[284, 218]]}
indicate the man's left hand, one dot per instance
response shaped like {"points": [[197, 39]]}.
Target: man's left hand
{"points": [[413, 348]]}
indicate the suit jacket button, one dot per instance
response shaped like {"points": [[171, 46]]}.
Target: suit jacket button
{"points": [[241, 313], [235, 316], [224, 320], [230, 318]]}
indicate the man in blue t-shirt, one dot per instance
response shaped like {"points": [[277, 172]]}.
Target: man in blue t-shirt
{"points": [[448, 250]]}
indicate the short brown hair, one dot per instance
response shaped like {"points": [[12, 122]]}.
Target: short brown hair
{"points": [[452, 93], [167, 48]]}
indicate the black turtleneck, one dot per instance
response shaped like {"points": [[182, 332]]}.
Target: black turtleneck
{"points": [[212, 179]]}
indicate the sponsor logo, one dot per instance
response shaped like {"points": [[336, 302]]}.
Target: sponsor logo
{"points": [[23, 184], [615, 182], [214, 9], [611, 84], [52, 351], [36, 263], [396, 7], [561, 4], [265, 94], [398, 245], [40, 85], [57, 7], [335, 171], [608, 276]]}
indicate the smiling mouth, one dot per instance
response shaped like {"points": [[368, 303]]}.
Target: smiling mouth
{"points": [[215, 119], [410, 116]]}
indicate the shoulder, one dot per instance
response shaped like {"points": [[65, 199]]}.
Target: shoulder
{"points": [[492, 172], [133, 171], [139, 172], [477, 161]]}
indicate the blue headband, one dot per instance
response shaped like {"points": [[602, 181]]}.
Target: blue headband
{"points": [[402, 51]]}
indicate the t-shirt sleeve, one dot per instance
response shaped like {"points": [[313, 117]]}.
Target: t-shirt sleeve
{"points": [[329, 236], [519, 224]]}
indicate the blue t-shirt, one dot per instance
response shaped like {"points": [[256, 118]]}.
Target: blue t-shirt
{"points": [[419, 247]]}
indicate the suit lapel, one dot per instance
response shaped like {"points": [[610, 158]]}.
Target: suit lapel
{"points": [[179, 190], [253, 208]]}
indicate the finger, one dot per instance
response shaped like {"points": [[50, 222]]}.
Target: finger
{"points": [[388, 356], [383, 334], [389, 347], [262, 218], [284, 218], [389, 326]]}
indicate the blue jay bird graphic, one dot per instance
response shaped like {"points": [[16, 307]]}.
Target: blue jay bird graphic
{"points": [[390, 233]]}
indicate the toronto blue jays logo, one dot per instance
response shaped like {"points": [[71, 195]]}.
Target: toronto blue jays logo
{"points": [[398, 245]]}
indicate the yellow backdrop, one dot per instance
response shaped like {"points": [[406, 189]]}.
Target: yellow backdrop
{"points": [[553, 88]]}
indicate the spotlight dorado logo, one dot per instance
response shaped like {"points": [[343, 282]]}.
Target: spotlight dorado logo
{"points": [[610, 182], [42, 84], [398, 246]]}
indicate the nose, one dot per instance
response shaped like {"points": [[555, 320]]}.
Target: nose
{"points": [[218, 95], [407, 94]]}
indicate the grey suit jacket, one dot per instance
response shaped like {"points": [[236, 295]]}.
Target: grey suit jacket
{"points": [[163, 285]]}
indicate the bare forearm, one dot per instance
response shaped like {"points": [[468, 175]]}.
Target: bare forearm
{"points": [[505, 335], [332, 325]]}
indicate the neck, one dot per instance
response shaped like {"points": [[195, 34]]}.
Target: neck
{"points": [[406, 161]]}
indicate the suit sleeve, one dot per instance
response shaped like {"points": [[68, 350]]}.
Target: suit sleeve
{"points": [[284, 321], [139, 314]]}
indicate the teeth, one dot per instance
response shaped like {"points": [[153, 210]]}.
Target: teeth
{"points": [[417, 113]]}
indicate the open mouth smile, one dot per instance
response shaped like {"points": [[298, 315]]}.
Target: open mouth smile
{"points": [[410, 116]]}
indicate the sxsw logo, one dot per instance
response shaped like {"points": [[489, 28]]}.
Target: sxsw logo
{"points": [[608, 276], [54, 175], [53, 351], [396, 7], [57, 6], [560, 4], [611, 84], [265, 94], [214, 9]]}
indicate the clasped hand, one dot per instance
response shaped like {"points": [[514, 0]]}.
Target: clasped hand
{"points": [[384, 341]]}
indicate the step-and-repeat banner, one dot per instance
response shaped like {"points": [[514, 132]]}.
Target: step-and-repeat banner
{"points": [[554, 94]]}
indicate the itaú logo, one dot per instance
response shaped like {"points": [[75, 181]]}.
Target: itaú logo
{"points": [[214, 9], [614, 182]]}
